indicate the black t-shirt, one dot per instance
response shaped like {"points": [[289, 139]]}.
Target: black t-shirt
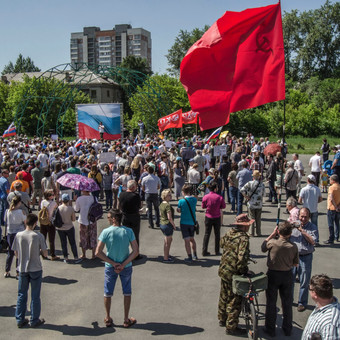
{"points": [[129, 202], [61, 187]]}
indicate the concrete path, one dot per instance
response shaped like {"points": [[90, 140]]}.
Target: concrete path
{"points": [[169, 300]]}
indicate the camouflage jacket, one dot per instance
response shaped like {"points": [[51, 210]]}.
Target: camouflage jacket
{"points": [[234, 260]]}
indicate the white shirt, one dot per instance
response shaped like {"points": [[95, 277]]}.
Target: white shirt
{"points": [[83, 204], [43, 158], [315, 163], [298, 167]]}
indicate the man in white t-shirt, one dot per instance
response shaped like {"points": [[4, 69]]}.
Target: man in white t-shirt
{"points": [[43, 158], [315, 164], [298, 166]]}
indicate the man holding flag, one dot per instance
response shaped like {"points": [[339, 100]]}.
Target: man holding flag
{"points": [[11, 131]]}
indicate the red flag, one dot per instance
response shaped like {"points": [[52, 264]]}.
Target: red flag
{"points": [[189, 117], [237, 64], [174, 120]]}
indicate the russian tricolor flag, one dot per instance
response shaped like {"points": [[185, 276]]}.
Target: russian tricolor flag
{"points": [[11, 131], [79, 143], [215, 134]]}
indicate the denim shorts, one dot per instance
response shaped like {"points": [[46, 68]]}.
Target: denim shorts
{"points": [[167, 229], [187, 230], [110, 278]]}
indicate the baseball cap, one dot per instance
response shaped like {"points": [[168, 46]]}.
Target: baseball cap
{"points": [[311, 178], [65, 197]]}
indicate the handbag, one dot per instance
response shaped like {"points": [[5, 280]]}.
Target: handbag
{"points": [[242, 284], [196, 225]]}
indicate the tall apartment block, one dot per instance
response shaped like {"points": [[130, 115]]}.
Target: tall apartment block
{"points": [[109, 48]]}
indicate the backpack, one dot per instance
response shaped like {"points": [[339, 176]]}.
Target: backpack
{"points": [[43, 216], [95, 211], [56, 219]]}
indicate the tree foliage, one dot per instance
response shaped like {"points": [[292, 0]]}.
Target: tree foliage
{"points": [[183, 42], [11, 96], [312, 42], [137, 64], [21, 65]]}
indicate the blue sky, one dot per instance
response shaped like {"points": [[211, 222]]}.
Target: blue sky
{"points": [[41, 29]]}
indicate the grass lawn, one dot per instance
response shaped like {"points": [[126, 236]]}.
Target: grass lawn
{"points": [[303, 145]]}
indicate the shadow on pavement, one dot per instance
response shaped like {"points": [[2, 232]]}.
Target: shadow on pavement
{"points": [[89, 263], [58, 280], [7, 310], [202, 262], [336, 283], [79, 330], [162, 328]]}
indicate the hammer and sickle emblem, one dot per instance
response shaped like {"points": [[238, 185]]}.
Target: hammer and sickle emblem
{"points": [[261, 46]]}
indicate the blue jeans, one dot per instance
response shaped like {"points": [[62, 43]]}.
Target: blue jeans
{"points": [[164, 184], [314, 220], [25, 279], [233, 193], [152, 200], [3, 207], [304, 271], [10, 254], [226, 190], [272, 192], [240, 198], [70, 235], [110, 278], [333, 217]]}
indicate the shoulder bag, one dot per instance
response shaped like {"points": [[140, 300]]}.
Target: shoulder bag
{"points": [[196, 225]]}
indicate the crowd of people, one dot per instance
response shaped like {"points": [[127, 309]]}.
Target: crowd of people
{"points": [[228, 174]]}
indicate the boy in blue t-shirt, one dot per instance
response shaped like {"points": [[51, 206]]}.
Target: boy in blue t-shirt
{"points": [[118, 258], [188, 221]]}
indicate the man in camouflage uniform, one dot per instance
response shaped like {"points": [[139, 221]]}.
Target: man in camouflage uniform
{"points": [[234, 261]]}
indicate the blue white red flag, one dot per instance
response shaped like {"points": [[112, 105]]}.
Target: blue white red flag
{"points": [[11, 131], [215, 134], [79, 143]]}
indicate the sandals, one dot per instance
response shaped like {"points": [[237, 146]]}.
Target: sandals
{"points": [[129, 322], [7, 274], [108, 322]]}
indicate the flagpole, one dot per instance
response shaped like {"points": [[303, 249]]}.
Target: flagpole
{"points": [[282, 165]]}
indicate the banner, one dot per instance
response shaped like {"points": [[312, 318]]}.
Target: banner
{"points": [[91, 115], [174, 120], [237, 64], [189, 117]]}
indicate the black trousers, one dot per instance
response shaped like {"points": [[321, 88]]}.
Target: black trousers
{"points": [[209, 224], [132, 221], [282, 282]]}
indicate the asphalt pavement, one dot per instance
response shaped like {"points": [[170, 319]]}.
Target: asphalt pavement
{"points": [[177, 300]]}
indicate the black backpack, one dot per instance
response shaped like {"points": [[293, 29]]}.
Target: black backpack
{"points": [[56, 219], [95, 211]]}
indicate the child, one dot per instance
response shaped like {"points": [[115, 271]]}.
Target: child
{"points": [[324, 180]]}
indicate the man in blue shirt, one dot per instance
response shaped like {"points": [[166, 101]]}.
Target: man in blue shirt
{"points": [[304, 237], [4, 190], [244, 176], [117, 240], [188, 220], [336, 162]]}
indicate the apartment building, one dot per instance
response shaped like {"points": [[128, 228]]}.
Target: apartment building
{"points": [[109, 47]]}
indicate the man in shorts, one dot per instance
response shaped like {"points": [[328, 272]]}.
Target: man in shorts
{"points": [[188, 222], [118, 262]]}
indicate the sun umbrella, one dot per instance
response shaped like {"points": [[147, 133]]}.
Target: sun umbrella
{"points": [[78, 182], [272, 149]]}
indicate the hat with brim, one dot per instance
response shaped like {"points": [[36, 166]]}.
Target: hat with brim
{"points": [[243, 220]]}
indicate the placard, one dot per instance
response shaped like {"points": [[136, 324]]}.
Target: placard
{"points": [[107, 157]]}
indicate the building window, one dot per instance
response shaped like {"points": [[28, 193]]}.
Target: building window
{"points": [[137, 36], [93, 94]]}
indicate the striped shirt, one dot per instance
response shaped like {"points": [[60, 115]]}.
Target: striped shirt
{"points": [[324, 321]]}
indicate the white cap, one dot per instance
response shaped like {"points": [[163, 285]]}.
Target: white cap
{"points": [[311, 178]]}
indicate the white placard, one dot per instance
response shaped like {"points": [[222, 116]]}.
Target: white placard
{"points": [[168, 143], [107, 157], [216, 150], [223, 150], [54, 137]]}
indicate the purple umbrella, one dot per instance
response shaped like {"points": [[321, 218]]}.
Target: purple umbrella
{"points": [[78, 182]]}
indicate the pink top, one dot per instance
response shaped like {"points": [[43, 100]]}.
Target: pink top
{"points": [[294, 215], [213, 203]]}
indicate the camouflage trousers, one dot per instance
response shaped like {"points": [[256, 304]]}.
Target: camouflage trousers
{"points": [[229, 305]]}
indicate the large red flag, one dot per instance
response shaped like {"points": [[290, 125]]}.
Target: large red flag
{"points": [[189, 117], [237, 64], [174, 120]]}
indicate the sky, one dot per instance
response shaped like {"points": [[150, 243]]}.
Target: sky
{"points": [[41, 29]]}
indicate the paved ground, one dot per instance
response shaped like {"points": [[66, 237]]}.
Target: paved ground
{"points": [[169, 300]]}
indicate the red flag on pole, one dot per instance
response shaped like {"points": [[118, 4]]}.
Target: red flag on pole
{"points": [[237, 64], [189, 117], [174, 120]]}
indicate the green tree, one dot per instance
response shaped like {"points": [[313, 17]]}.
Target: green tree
{"points": [[21, 65], [136, 64], [183, 42], [312, 42], [149, 105]]}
